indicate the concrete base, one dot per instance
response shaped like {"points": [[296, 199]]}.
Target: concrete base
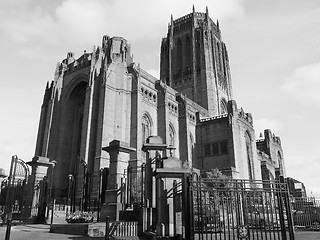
{"points": [[70, 228], [83, 229]]}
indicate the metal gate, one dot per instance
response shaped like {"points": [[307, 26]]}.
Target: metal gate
{"points": [[239, 209], [13, 189]]}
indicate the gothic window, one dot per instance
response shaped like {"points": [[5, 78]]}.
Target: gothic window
{"points": [[219, 57], [146, 128], [249, 155], [223, 107], [179, 55], [171, 136], [198, 63], [171, 140], [224, 148], [215, 148], [207, 151], [188, 52], [191, 141]]}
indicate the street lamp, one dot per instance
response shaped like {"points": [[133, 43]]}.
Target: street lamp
{"points": [[69, 202], [84, 184], [99, 193], [51, 192]]}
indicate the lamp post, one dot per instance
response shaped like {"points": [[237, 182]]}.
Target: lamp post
{"points": [[84, 185], [51, 192], [69, 201], [99, 193]]}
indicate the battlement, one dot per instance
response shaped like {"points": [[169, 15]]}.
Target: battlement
{"points": [[181, 19], [213, 118], [74, 64]]}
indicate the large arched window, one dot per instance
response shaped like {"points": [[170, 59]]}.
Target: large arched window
{"points": [[198, 54], [188, 52], [146, 127], [179, 54], [249, 155], [219, 57]]}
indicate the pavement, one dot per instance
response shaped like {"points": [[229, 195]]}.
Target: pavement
{"points": [[41, 232]]}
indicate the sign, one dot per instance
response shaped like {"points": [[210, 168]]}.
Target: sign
{"points": [[243, 231]]}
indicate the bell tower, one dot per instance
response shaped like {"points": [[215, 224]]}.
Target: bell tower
{"points": [[194, 61]]}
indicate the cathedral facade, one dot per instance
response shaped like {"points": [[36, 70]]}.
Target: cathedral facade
{"points": [[104, 96]]}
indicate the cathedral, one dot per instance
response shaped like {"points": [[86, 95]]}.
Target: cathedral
{"points": [[104, 100]]}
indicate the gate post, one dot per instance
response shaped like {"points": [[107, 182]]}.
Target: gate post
{"points": [[187, 203], [281, 212], [288, 209]]}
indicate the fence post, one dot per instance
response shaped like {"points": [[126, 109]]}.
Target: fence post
{"points": [[280, 196], [106, 235], [288, 210]]}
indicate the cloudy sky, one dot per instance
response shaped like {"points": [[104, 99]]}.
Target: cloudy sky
{"points": [[274, 50]]}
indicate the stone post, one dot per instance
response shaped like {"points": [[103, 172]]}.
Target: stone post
{"points": [[31, 204], [119, 156]]}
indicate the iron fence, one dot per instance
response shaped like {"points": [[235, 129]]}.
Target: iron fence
{"points": [[240, 209], [306, 212], [133, 186]]}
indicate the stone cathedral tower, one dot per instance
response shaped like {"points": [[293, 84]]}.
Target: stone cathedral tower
{"points": [[194, 61]]}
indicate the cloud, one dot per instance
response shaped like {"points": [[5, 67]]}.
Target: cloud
{"points": [[82, 21], [263, 123], [303, 84]]}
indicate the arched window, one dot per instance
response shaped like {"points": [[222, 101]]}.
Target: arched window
{"points": [[198, 54], [146, 127], [249, 155], [219, 57], [223, 107], [179, 54], [171, 136], [191, 147], [171, 139], [188, 52]]}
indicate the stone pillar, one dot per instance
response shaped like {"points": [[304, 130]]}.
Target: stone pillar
{"points": [[39, 167], [119, 156]]}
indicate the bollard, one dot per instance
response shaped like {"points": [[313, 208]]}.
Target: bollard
{"points": [[8, 231], [106, 235]]}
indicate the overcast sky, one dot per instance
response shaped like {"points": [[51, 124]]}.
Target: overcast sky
{"points": [[274, 51]]}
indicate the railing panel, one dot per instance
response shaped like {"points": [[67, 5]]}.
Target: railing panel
{"points": [[236, 209]]}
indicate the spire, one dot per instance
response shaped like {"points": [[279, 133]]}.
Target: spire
{"points": [[193, 10], [171, 18], [218, 24], [207, 11], [260, 136], [47, 86]]}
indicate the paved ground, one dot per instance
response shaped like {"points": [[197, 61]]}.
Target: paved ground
{"points": [[41, 232]]}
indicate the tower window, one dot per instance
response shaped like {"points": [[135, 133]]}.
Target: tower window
{"points": [[179, 55], [224, 148], [188, 52], [207, 151], [215, 148]]}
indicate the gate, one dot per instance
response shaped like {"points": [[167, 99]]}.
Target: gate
{"points": [[239, 209], [13, 189]]}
